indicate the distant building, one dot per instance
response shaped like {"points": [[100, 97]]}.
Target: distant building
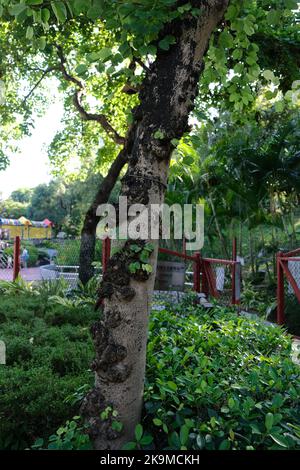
{"points": [[25, 228]]}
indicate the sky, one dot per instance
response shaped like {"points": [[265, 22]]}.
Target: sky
{"points": [[30, 166]]}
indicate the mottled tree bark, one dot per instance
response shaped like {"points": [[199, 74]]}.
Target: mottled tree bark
{"points": [[166, 98], [88, 233]]}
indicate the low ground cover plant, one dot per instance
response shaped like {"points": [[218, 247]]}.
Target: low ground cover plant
{"points": [[214, 380]]}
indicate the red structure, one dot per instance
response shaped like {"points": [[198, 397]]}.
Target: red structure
{"points": [[208, 273], [204, 274], [17, 246], [283, 272], [106, 247]]}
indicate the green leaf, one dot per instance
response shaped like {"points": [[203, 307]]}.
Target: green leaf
{"points": [[29, 32], [184, 8], [231, 403], [157, 422], [291, 4], [167, 42], [95, 11], [45, 15], [248, 27], [41, 43], [81, 69], [279, 106], [136, 248], [279, 439], [105, 53], [159, 135], [38, 443], [117, 426], [138, 432], [273, 17], [146, 440], [225, 445], [255, 429], [149, 247], [172, 385], [174, 440], [59, 11], [200, 441], [226, 39], [147, 268], [231, 12], [134, 267], [188, 160], [269, 421], [81, 6], [34, 2], [268, 74], [184, 434], [129, 446], [15, 10]]}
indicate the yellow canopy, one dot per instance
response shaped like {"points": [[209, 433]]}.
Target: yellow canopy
{"points": [[24, 221]]}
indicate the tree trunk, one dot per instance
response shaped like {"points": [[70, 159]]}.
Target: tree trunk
{"points": [[219, 231], [88, 233], [120, 336]]}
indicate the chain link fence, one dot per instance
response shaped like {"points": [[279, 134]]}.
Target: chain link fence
{"points": [[291, 302], [223, 282], [6, 261], [47, 259]]}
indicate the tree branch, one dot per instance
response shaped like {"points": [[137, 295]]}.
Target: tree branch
{"points": [[100, 118], [141, 64], [45, 72]]}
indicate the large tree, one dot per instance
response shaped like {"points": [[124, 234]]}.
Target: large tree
{"points": [[154, 51]]}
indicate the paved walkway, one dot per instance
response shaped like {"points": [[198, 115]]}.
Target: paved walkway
{"points": [[29, 274]]}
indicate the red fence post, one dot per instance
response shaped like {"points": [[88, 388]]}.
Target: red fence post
{"points": [[16, 271], [280, 291], [106, 244], [196, 271]]}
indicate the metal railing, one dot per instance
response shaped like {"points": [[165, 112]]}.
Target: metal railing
{"points": [[288, 283], [216, 278]]}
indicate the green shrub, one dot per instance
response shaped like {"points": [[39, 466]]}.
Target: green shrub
{"points": [[219, 381], [18, 351], [72, 436], [79, 315], [32, 403], [214, 380], [45, 364]]}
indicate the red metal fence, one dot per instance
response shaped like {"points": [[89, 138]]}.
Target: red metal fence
{"points": [[288, 283], [217, 278]]}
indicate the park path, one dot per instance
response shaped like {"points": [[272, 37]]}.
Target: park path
{"points": [[29, 274]]}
